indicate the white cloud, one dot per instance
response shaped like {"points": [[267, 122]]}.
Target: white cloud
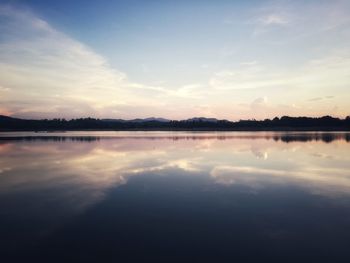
{"points": [[46, 71], [249, 76], [259, 103], [274, 19], [40, 64], [320, 79], [327, 72]]}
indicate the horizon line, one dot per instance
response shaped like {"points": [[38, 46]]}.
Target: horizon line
{"points": [[185, 119]]}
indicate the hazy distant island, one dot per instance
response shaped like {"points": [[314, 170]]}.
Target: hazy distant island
{"points": [[285, 123]]}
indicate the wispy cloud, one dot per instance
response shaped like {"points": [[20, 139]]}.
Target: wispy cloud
{"points": [[327, 72], [287, 88], [44, 71], [273, 19], [321, 98], [259, 103], [41, 64], [47, 73]]}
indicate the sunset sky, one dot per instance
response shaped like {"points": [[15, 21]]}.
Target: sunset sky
{"points": [[174, 59]]}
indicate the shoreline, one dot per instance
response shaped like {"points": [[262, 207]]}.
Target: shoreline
{"points": [[279, 129]]}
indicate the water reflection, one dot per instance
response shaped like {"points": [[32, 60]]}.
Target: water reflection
{"points": [[95, 136], [91, 168], [50, 180]]}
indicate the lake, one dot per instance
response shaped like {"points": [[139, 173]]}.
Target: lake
{"points": [[175, 197]]}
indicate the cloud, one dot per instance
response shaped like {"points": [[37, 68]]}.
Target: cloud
{"points": [[247, 76], [44, 71], [274, 19], [288, 88], [327, 72], [250, 77], [249, 63], [2, 89], [321, 98], [262, 108], [44, 66], [316, 99], [47, 73], [259, 103]]}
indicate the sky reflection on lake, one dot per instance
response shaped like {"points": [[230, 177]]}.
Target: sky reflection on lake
{"points": [[144, 195]]}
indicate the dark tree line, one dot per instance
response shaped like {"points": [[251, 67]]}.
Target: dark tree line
{"points": [[283, 123]]}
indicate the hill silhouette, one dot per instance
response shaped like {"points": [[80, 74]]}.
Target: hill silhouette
{"points": [[327, 123]]}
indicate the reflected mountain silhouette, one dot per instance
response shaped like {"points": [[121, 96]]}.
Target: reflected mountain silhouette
{"points": [[285, 137]]}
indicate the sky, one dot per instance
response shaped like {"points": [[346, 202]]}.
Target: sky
{"points": [[174, 59]]}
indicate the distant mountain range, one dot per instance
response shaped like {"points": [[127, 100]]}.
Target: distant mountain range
{"points": [[153, 119], [197, 123], [139, 120]]}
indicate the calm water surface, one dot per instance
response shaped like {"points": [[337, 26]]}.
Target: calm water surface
{"points": [[174, 197]]}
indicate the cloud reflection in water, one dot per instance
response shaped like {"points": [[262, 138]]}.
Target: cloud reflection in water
{"points": [[81, 171]]}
